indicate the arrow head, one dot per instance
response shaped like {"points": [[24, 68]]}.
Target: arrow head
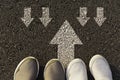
{"points": [[27, 21], [83, 20], [45, 21], [66, 35], [100, 20]]}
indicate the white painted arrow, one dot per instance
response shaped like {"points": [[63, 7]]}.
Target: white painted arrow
{"points": [[66, 38], [45, 19], [83, 16], [100, 16], [27, 16]]}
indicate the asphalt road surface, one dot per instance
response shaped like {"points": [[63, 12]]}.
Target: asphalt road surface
{"points": [[18, 41]]}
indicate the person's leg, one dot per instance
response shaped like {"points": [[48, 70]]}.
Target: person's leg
{"points": [[27, 69], [99, 68], [54, 70], [76, 70]]}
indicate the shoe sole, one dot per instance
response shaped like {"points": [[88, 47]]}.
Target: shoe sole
{"points": [[93, 59], [30, 57], [73, 62]]}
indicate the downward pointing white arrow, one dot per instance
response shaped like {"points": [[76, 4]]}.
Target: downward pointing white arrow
{"points": [[27, 16], [45, 19], [83, 16], [100, 16], [66, 38]]}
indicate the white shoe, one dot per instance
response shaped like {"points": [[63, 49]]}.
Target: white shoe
{"points": [[76, 70], [27, 69], [99, 68]]}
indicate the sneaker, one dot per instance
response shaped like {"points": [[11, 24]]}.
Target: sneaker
{"points": [[99, 68], [27, 69], [54, 70], [76, 70]]}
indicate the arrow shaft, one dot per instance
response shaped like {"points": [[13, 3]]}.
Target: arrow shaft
{"points": [[100, 12], [83, 11], [45, 12], [65, 53], [27, 13]]}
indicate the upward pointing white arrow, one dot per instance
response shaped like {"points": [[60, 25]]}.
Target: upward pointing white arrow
{"points": [[100, 16], [45, 19], [27, 16], [66, 38], [83, 16]]}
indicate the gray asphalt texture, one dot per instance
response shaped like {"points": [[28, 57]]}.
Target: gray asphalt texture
{"points": [[18, 41]]}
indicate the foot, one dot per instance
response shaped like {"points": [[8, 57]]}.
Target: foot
{"points": [[27, 69], [54, 70], [76, 70], [99, 68]]}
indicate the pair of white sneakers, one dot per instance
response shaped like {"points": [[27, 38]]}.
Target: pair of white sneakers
{"points": [[98, 65]]}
